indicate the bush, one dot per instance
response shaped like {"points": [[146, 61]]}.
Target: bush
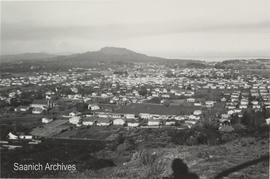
{"points": [[156, 169], [203, 133], [147, 157], [239, 127]]}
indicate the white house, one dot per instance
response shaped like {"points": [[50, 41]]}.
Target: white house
{"points": [[132, 123], [230, 112], [75, 120], [170, 123], [145, 115], [209, 104], [244, 102], [39, 104], [165, 96], [22, 108], [93, 107], [89, 121], [130, 116], [231, 107], [243, 106], [223, 99], [12, 136], [71, 114], [255, 102], [197, 112], [37, 110], [197, 104], [191, 100], [180, 118], [152, 122], [190, 123], [237, 110], [116, 115], [46, 120], [104, 122], [256, 106], [267, 121], [27, 137], [193, 117], [102, 115], [119, 122]]}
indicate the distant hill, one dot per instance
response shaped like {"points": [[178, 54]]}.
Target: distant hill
{"points": [[26, 56], [244, 64], [106, 55]]}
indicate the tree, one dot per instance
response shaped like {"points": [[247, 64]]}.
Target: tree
{"points": [[253, 119], [81, 107], [143, 91]]}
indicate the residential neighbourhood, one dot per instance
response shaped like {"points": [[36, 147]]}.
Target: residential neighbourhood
{"points": [[119, 109], [130, 99]]}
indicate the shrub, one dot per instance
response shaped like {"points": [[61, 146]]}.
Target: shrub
{"points": [[147, 157]]}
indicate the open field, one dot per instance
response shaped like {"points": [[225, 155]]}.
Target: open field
{"points": [[93, 133], [51, 129]]}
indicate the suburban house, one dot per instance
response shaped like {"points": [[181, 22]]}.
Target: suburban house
{"points": [[197, 104], [209, 104], [191, 100], [37, 110], [116, 115], [267, 121], [22, 109], [193, 117], [71, 114], [102, 115], [243, 106], [119, 122], [145, 115], [133, 123], [39, 104], [89, 121], [12, 136], [223, 99], [130, 116], [46, 120], [104, 122], [190, 123], [152, 122], [170, 123], [180, 118], [197, 112], [93, 107], [26, 137], [75, 120]]}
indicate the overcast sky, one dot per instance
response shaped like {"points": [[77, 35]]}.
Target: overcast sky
{"points": [[203, 29]]}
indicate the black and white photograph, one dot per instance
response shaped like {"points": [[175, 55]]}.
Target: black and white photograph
{"points": [[135, 89]]}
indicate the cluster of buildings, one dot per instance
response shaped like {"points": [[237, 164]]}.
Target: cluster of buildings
{"points": [[132, 120]]}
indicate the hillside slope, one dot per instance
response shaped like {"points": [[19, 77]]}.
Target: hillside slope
{"points": [[206, 161]]}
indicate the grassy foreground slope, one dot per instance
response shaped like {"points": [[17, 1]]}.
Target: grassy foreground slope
{"points": [[206, 161]]}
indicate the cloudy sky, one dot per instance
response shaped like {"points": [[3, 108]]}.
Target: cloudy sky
{"points": [[203, 29]]}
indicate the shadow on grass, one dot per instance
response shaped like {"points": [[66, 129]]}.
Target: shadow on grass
{"points": [[242, 166], [180, 171]]}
